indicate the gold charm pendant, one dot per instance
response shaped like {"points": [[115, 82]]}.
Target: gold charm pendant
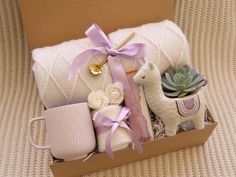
{"points": [[96, 69]]}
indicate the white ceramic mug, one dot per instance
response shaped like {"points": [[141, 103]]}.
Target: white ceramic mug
{"points": [[70, 131]]}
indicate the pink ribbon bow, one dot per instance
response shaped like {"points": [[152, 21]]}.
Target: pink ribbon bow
{"points": [[103, 45], [105, 124]]}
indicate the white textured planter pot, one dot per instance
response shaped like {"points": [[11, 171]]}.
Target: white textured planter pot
{"points": [[174, 111]]}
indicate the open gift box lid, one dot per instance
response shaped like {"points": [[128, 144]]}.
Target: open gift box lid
{"points": [[49, 22]]}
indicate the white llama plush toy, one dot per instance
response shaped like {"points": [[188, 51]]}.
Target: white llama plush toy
{"points": [[172, 111]]}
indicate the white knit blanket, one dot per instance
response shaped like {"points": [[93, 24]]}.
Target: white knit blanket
{"points": [[165, 42]]}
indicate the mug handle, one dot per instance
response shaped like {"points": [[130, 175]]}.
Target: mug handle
{"points": [[31, 121]]}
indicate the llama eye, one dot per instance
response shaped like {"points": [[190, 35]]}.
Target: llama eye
{"points": [[143, 77]]}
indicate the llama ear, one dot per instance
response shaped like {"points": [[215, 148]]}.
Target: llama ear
{"points": [[150, 65]]}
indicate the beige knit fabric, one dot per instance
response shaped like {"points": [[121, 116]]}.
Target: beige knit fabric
{"points": [[210, 26]]}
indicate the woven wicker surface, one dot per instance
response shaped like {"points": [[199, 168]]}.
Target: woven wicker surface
{"points": [[210, 26]]}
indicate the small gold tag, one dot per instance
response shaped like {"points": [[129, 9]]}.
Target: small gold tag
{"points": [[95, 69]]}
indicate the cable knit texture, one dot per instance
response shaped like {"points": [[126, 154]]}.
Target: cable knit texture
{"points": [[210, 28], [166, 45]]}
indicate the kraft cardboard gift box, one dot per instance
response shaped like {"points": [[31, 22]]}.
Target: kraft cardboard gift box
{"points": [[52, 22], [101, 161]]}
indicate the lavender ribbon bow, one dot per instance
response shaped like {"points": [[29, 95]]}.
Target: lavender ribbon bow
{"points": [[103, 45], [105, 124]]}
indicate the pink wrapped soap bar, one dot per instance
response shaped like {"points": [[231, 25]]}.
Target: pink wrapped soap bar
{"points": [[139, 120]]}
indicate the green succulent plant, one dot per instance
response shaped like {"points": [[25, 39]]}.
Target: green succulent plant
{"points": [[182, 81]]}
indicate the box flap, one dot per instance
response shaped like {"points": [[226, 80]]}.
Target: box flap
{"points": [[49, 22]]}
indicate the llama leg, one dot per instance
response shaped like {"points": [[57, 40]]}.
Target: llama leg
{"points": [[171, 127], [198, 122]]}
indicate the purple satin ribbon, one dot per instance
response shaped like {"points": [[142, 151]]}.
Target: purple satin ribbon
{"points": [[106, 123], [103, 45]]}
